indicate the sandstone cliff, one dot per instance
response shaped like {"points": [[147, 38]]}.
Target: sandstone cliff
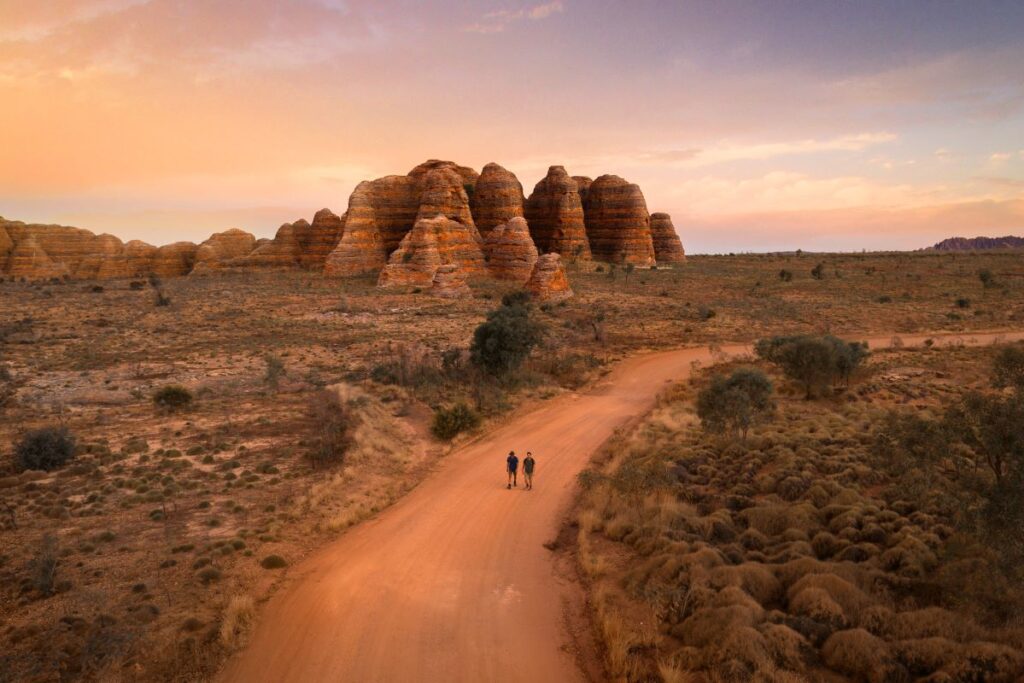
{"points": [[510, 251], [618, 224], [432, 243], [319, 238], [450, 283], [497, 198], [220, 248], [668, 248], [548, 281], [554, 212]]}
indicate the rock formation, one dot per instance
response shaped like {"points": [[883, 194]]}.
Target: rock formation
{"points": [[548, 281], [450, 283], [319, 238], [27, 260], [497, 197], [583, 184], [668, 248], [618, 224], [382, 212], [555, 215], [432, 243], [979, 243], [510, 251], [139, 257], [280, 253], [173, 260], [222, 247]]}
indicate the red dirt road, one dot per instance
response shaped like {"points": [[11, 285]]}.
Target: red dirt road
{"points": [[453, 583]]}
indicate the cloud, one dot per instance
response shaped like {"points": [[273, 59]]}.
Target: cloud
{"points": [[999, 157], [497, 21]]}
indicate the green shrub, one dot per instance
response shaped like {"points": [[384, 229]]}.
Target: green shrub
{"points": [[814, 362], [1008, 368], [505, 339], [448, 422], [734, 403], [44, 449], [172, 397]]}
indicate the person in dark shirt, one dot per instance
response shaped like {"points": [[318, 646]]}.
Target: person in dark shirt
{"points": [[528, 465], [511, 466]]}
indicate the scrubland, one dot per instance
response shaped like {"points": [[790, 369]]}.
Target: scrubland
{"points": [[147, 555], [834, 543]]}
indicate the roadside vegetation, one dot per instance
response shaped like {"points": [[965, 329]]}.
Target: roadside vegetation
{"points": [[870, 534]]}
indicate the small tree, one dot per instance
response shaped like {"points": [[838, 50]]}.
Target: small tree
{"points": [[1008, 368], [44, 449], [734, 403], [993, 427], [504, 341], [814, 362], [785, 275], [987, 279], [628, 269], [333, 426], [818, 271]]}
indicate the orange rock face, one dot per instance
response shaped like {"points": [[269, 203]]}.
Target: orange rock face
{"points": [[497, 198], [668, 248], [450, 283], [319, 239], [431, 243], [548, 281], [618, 224], [139, 257], [6, 245], [222, 247], [28, 260], [280, 253], [555, 215], [174, 260], [510, 251], [383, 211]]}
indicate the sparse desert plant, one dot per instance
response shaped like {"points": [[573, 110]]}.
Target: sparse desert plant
{"points": [[1008, 368], [172, 397], [449, 422], [333, 427], [734, 403], [987, 279], [44, 449], [818, 271], [42, 568], [786, 275], [275, 370], [273, 562], [236, 621]]}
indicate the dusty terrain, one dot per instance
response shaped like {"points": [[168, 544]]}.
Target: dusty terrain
{"points": [[162, 520]]}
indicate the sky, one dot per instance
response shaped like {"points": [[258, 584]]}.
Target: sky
{"points": [[759, 126]]}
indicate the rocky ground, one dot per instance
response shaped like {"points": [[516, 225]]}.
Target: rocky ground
{"points": [[160, 529]]}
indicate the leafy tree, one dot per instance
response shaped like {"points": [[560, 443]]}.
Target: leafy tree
{"points": [[44, 449], [814, 362], [1008, 368], [993, 427], [734, 403], [505, 339]]}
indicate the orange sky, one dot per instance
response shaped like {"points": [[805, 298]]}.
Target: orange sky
{"points": [[845, 126]]}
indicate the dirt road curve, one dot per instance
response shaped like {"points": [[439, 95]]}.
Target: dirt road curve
{"points": [[453, 583]]}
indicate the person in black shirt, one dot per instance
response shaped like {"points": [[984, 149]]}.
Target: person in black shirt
{"points": [[511, 466]]}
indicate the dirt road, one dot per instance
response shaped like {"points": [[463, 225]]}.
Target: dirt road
{"points": [[453, 582]]}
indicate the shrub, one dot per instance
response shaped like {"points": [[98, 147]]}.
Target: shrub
{"points": [[449, 422], [172, 397], [785, 275], [963, 303], [818, 271], [44, 449], [1008, 368], [273, 562], [505, 339], [42, 567], [333, 424], [987, 279], [275, 370], [734, 403]]}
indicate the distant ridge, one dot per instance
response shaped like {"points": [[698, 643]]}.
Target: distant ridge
{"points": [[979, 243]]}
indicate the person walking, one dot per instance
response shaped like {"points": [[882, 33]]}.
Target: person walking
{"points": [[528, 465], [511, 466]]}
